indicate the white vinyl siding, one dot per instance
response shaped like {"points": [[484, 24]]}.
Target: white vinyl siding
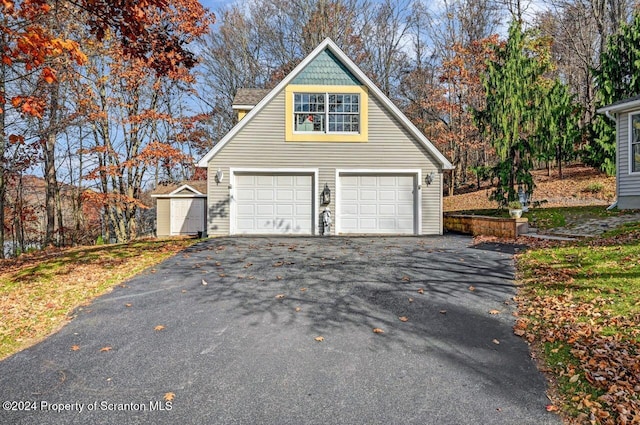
{"points": [[273, 204], [627, 182], [163, 217], [377, 204], [261, 144]]}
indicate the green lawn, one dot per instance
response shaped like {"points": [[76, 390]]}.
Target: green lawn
{"points": [[580, 306]]}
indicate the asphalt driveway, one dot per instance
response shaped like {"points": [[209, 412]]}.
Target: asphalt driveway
{"points": [[242, 349]]}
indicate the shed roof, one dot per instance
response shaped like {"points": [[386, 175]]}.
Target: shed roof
{"points": [[168, 188]]}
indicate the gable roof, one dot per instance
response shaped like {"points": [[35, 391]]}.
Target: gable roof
{"points": [[196, 187], [621, 105], [247, 98], [328, 44]]}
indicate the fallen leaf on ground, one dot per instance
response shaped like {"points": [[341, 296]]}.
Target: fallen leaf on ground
{"points": [[159, 328], [246, 266], [406, 278], [128, 305], [204, 282], [410, 300], [303, 289], [472, 288], [319, 338], [403, 318], [280, 296], [443, 311], [551, 408], [298, 309], [221, 274], [75, 347], [104, 349], [495, 341], [278, 264], [494, 311], [420, 291], [378, 331], [169, 396]]}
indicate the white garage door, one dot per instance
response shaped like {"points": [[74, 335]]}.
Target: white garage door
{"points": [[380, 204], [187, 216], [273, 204]]}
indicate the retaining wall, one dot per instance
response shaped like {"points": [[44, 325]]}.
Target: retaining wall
{"points": [[487, 226]]}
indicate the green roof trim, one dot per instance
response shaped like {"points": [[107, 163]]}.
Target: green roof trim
{"points": [[326, 69]]}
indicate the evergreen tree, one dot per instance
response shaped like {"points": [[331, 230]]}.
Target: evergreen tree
{"points": [[559, 125], [617, 78], [514, 88]]}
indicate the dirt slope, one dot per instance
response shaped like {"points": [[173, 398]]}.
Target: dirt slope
{"points": [[581, 185]]}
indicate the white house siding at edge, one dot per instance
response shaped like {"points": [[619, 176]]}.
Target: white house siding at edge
{"points": [[628, 184], [260, 145]]}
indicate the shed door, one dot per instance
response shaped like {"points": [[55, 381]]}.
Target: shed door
{"points": [[273, 204], [377, 204], [187, 216]]}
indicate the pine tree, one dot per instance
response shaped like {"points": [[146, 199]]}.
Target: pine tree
{"points": [[514, 89], [558, 127], [617, 78]]}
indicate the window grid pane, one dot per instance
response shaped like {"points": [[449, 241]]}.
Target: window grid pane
{"points": [[342, 112], [635, 143], [309, 112]]}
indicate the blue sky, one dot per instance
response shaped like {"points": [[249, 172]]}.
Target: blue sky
{"points": [[214, 5]]}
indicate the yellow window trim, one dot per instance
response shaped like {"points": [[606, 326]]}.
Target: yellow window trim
{"points": [[291, 136]]}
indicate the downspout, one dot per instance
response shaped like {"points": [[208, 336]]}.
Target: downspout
{"points": [[608, 115]]}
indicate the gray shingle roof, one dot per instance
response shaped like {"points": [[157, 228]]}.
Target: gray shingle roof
{"points": [[627, 100], [165, 189], [251, 97], [621, 105]]}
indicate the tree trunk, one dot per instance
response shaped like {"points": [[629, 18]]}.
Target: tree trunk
{"points": [[3, 186], [61, 233], [559, 157], [49, 165]]}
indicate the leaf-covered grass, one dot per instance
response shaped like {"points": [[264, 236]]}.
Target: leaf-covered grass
{"points": [[580, 305], [39, 291]]}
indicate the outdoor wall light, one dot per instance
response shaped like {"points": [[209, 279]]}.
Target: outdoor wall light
{"points": [[219, 176], [429, 178], [326, 195]]}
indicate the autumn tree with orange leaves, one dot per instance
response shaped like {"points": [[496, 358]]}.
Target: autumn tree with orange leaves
{"points": [[456, 133], [34, 48]]}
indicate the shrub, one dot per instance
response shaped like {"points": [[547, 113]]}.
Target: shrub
{"points": [[595, 187]]}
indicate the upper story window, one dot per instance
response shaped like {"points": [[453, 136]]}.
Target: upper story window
{"points": [[327, 112], [634, 143]]}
